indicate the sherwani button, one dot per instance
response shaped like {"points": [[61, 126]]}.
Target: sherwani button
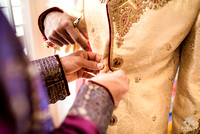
{"points": [[113, 120], [117, 62]]}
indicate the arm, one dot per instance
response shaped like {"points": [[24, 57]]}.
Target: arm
{"points": [[57, 27], [94, 104], [91, 111], [57, 71], [52, 72]]}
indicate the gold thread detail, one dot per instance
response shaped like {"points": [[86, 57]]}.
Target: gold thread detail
{"points": [[123, 13]]}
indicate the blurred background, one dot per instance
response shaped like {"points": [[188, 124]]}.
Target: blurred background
{"points": [[23, 17]]}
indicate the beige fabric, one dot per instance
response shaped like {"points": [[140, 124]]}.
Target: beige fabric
{"points": [[146, 42], [186, 111], [150, 56]]}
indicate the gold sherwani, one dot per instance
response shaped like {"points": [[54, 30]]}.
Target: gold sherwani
{"points": [[149, 39], [144, 37]]}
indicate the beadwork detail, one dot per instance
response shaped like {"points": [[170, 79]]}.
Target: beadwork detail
{"points": [[126, 12]]}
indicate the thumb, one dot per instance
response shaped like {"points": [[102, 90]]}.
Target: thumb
{"points": [[92, 65]]}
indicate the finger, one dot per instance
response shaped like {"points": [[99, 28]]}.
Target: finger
{"points": [[66, 36], [90, 64], [77, 37], [94, 56], [60, 38], [82, 29], [55, 42], [80, 73], [87, 75]]}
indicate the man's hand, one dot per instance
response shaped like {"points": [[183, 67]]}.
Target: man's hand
{"points": [[78, 64], [116, 82], [60, 31]]}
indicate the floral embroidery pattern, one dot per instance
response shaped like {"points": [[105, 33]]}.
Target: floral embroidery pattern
{"points": [[156, 4], [126, 12]]}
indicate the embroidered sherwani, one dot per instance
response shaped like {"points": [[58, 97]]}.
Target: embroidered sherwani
{"points": [[144, 37], [149, 39]]}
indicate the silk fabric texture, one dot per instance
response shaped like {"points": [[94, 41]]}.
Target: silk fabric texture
{"points": [[149, 39]]}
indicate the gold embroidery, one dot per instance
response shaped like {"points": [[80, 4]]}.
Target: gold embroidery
{"points": [[156, 4], [126, 12], [102, 1]]}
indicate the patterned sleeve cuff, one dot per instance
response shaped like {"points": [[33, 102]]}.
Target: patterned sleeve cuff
{"points": [[51, 71], [94, 103], [42, 17]]}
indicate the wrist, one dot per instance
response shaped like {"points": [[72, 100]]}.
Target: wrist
{"points": [[43, 16]]}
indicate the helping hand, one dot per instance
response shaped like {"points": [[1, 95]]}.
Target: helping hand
{"points": [[77, 64], [60, 31], [116, 82]]}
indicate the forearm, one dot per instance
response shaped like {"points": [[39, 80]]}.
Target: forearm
{"points": [[51, 71], [91, 111]]}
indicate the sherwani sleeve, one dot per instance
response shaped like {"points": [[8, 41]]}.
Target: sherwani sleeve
{"points": [[91, 111], [186, 110], [53, 76]]}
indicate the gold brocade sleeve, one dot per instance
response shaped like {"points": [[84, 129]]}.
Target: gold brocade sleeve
{"points": [[94, 102], [51, 71], [186, 110]]}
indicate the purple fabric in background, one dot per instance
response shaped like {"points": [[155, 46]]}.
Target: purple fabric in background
{"points": [[77, 125], [22, 95]]}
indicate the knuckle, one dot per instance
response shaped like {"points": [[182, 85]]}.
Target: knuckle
{"points": [[53, 34], [58, 29], [50, 38], [67, 24], [92, 65]]}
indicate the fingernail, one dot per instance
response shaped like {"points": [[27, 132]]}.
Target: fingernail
{"points": [[100, 66]]}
